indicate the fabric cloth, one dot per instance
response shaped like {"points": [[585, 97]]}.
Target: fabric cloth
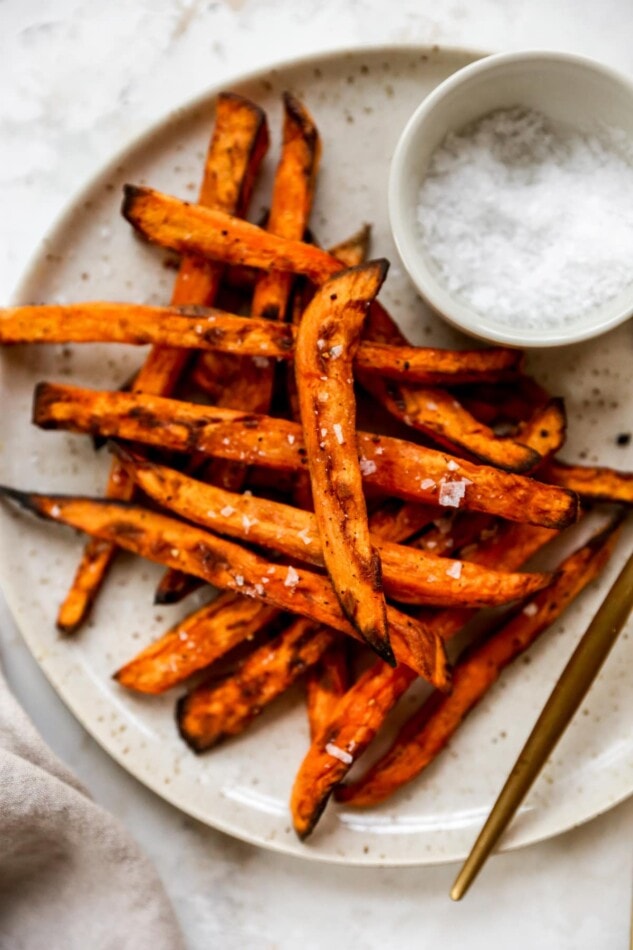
{"points": [[70, 875]]}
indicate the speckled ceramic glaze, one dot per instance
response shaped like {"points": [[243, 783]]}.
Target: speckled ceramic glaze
{"points": [[361, 102]]}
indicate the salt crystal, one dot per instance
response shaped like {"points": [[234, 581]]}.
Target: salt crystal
{"points": [[247, 523], [455, 570], [321, 344], [339, 754], [452, 465], [336, 351], [426, 484], [338, 432], [323, 397], [239, 580], [261, 362], [304, 534], [530, 610], [431, 405], [292, 578], [227, 511], [379, 450], [291, 439], [367, 466], [175, 552], [55, 511], [451, 493], [323, 432]]}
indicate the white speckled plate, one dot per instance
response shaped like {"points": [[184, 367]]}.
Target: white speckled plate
{"points": [[361, 101]]}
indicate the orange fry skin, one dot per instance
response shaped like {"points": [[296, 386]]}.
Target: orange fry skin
{"points": [[429, 730], [238, 145], [354, 723], [228, 566], [208, 233], [326, 682], [362, 710], [293, 193], [236, 338], [195, 642], [327, 340], [410, 575], [402, 469], [211, 713], [592, 483]]}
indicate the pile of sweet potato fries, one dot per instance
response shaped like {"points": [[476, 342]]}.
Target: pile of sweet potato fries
{"points": [[238, 464]]}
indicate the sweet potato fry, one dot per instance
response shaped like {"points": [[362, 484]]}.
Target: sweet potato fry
{"points": [[361, 712], [354, 723], [211, 329], [351, 253], [326, 344], [229, 566], [195, 642], [410, 575], [428, 731], [291, 204], [207, 233], [237, 147], [594, 483], [326, 682], [400, 468], [209, 714]]}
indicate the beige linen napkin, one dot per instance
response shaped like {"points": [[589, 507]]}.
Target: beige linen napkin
{"points": [[70, 876]]}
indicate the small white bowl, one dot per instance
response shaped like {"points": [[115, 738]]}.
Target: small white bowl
{"points": [[565, 88]]}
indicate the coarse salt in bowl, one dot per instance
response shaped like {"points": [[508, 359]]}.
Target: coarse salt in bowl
{"points": [[511, 199]]}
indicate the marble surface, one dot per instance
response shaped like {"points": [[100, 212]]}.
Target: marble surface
{"points": [[79, 79]]}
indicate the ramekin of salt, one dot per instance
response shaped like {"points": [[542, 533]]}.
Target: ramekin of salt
{"points": [[511, 199]]}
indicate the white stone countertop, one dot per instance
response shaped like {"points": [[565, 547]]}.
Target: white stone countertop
{"points": [[79, 79]]}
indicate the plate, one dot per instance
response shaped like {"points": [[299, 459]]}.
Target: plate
{"points": [[361, 101]]}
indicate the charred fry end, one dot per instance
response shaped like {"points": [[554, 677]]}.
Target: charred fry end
{"points": [[132, 194]]}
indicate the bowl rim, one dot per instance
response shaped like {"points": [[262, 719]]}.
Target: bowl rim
{"points": [[438, 297]]}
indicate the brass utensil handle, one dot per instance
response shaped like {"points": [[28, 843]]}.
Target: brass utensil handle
{"points": [[570, 690]]}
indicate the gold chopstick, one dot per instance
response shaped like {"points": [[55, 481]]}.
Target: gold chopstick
{"points": [[574, 682]]}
